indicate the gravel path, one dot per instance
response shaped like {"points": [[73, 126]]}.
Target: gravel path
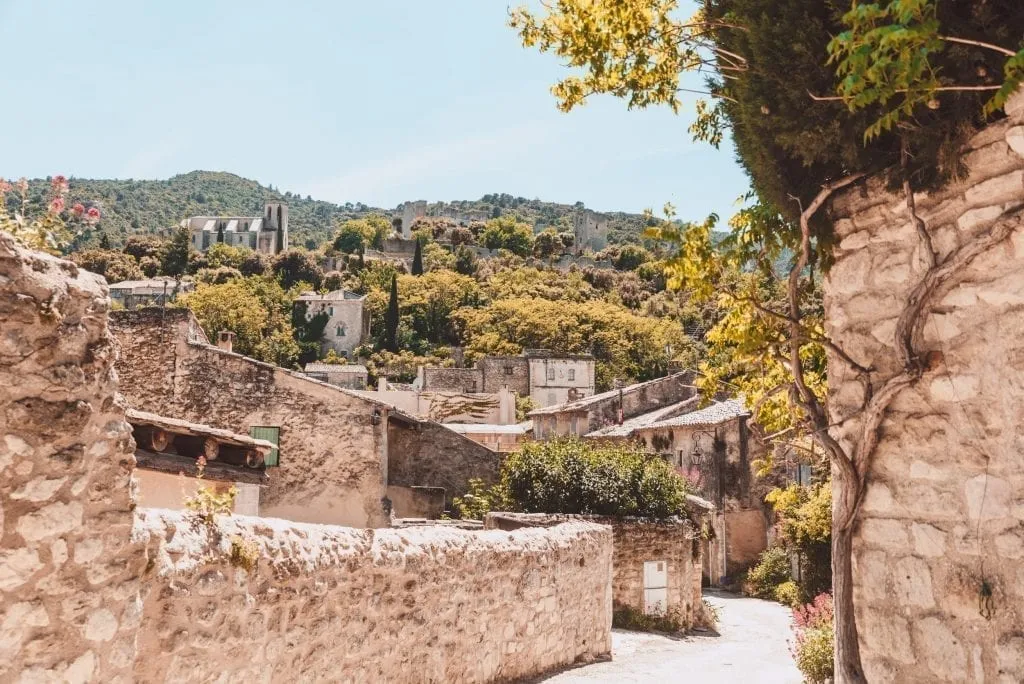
{"points": [[750, 649]]}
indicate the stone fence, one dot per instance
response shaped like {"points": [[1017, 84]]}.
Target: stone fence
{"points": [[93, 590], [656, 565]]}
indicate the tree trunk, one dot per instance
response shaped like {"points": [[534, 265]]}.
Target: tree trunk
{"points": [[847, 654]]}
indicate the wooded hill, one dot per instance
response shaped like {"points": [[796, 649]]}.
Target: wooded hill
{"points": [[151, 206]]}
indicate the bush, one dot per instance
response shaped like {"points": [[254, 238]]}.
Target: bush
{"points": [[772, 569], [788, 594], [812, 647], [628, 617], [570, 476]]}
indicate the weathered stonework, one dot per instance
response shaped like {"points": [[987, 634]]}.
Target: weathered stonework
{"points": [[329, 603], [333, 461], [637, 541], [944, 511], [68, 589]]}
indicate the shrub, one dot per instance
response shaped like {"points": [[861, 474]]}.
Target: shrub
{"points": [[772, 569], [788, 593], [812, 647], [628, 617]]}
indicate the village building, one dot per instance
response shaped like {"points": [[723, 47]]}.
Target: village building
{"points": [[590, 230], [547, 378], [348, 319], [349, 375], [266, 234], [579, 417], [174, 458], [448, 406], [503, 438], [131, 294]]}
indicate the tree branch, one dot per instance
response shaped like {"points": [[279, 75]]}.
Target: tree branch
{"points": [[941, 89], [978, 43]]}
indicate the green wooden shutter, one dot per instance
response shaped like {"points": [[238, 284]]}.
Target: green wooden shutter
{"points": [[271, 434]]}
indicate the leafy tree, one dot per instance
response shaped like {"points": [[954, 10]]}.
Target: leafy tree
{"points": [[297, 265], [630, 257], [253, 263], [417, 260], [465, 261], [216, 276], [142, 246], [176, 254], [104, 240], [572, 476], [508, 233], [309, 332], [113, 265], [547, 244], [390, 340], [220, 254], [351, 237], [437, 258]]}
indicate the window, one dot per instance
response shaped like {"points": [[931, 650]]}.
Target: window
{"points": [[272, 435], [473, 388], [330, 311], [572, 374], [551, 373], [340, 331], [508, 370]]}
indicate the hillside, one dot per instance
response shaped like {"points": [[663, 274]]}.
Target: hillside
{"points": [[151, 206]]}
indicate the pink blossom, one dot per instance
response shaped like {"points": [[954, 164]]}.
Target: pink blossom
{"points": [[59, 184], [93, 215], [78, 210], [57, 205], [5, 186]]}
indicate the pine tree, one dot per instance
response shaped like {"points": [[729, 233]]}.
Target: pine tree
{"points": [[391, 319], [417, 260], [104, 240]]}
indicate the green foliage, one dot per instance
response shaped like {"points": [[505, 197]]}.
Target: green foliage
{"points": [[295, 266], [814, 643], [788, 593], [176, 254], [245, 553], [508, 233], [523, 407], [804, 517], [480, 500], [627, 617], [350, 237], [571, 476], [113, 265], [772, 569], [390, 339]]}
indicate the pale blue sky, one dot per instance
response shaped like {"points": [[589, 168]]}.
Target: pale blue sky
{"points": [[377, 102]]}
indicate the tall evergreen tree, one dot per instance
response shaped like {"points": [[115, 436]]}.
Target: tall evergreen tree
{"points": [[391, 319], [417, 260], [104, 240]]}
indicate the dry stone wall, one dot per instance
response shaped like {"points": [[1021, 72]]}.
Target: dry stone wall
{"points": [[337, 604], [69, 601], [943, 517]]}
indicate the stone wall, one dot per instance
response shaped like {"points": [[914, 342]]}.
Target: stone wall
{"points": [[333, 459], [69, 604], [944, 511], [505, 371], [675, 543], [424, 454], [465, 380], [328, 603]]}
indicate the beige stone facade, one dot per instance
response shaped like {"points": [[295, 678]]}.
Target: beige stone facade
{"points": [[348, 319], [943, 518], [333, 443]]}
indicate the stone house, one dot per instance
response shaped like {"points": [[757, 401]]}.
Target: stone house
{"points": [[333, 443], [448, 407], [590, 230], [542, 375], [656, 564], [582, 416], [131, 294], [167, 454], [348, 319], [266, 234], [503, 438], [348, 375], [714, 449]]}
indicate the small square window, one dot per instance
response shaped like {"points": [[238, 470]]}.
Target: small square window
{"points": [[572, 374], [551, 373], [508, 370]]}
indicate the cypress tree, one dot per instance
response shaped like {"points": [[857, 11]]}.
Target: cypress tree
{"points": [[417, 261], [104, 240], [391, 319]]}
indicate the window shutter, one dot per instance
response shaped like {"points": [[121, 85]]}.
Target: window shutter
{"points": [[272, 435]]}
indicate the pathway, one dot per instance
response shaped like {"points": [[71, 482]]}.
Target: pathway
{"points": [[751, 648]]}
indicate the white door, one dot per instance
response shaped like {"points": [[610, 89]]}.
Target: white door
{"points": [[655, 587]]}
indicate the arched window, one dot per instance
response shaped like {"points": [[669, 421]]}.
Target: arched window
{"points": [[340, 331]]}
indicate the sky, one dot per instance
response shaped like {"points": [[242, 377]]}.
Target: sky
{"points": [[376, 102]]}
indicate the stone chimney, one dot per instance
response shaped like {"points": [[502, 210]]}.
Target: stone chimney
{"points": [[226, 340], [382, 384]]}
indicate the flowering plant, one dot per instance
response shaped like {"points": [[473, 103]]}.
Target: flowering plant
{"points": [[812, 647], [49, 229]]}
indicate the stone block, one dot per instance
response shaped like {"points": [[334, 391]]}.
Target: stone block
{"points": [[1010, 656], [988, 497], [977, 218], [941, 650], [887, 634], [885, 533], [17, 566], [929, 541], [999, 190], [955, 388], [912, 583]]}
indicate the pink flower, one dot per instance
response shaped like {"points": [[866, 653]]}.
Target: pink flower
{"points": [[78, 210], [59, 184], [5, 186], [93, 215], [57, 205]]}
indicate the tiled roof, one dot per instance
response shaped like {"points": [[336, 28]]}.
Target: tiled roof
{"points": [[489, 428], [715, 414], [586, 402], [335, 368], [645, 419], [136, 417]]}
